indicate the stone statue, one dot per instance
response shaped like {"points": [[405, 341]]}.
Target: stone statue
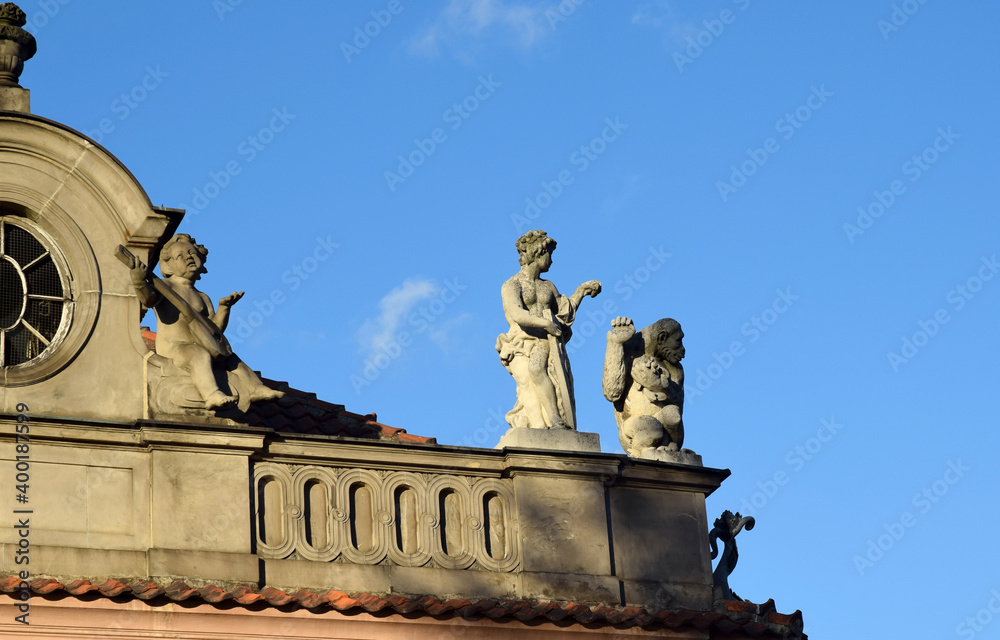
{"points": [[189, 329], [644, 379], [725, 529], [534, 349]]}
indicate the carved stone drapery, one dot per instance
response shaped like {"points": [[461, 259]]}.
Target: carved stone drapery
{"points": [[361, 516]]}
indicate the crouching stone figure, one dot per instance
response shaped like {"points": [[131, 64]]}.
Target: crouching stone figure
{"points": [[644, 379]]}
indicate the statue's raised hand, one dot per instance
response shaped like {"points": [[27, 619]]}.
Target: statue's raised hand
{"points": [[231, 299], [138, 271], [622, 329], [590, 288]]}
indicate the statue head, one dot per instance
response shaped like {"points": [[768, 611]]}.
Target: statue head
{"points": [[533, 245], [664, 340], [183, 256]]}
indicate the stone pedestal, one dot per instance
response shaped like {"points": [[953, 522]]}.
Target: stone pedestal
{"points": [[685, 456], [556, 439], [15, 99]]}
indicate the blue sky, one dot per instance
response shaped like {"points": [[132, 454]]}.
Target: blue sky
{"points": [[810, 190]]}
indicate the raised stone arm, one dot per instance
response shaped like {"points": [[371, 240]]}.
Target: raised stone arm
{"points": [[139, 274], [615, 372]]}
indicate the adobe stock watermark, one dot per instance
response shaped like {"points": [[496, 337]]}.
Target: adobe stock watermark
{"points": [[561, 12], [127, 102], [796, 460], [957, 298], [487, 435], [248, 150], [247, 323], [43, 14], [975, 623], [914, 169], [19, 484], [704, 378], [788, 125], [225, 7], [593, 321], [900, 15], [712, 30], [366, 33], [454, 116], [581, 160], [422, 319], [923, 501]]}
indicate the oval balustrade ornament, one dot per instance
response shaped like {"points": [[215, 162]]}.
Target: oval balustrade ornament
{"points": [[398, 517]]}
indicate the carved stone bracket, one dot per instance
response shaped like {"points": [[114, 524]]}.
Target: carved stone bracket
{"points": [[362, 516]]}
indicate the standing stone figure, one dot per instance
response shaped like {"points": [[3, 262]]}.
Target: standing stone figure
{"points": [[534, 349], [189, 329], [644, 379]]}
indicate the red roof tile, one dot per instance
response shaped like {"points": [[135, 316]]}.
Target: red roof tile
{"points": [[738, 618]]}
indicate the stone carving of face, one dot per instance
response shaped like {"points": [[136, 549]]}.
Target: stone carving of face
{"points": [[545, 261], [670, 347], [184, 260]]}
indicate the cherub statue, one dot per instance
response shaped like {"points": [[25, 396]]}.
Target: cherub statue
{"points": [[644, 379], [189, 329], [534, 349]]}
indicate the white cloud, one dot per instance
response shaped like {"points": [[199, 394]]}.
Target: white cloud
{"points": [[465, 20], [379, 332]]}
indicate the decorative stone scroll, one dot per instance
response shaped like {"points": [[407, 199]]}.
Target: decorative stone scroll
{"points": [[727, 526], [360, 516]]}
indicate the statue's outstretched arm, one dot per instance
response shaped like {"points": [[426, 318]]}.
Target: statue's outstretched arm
{"points": [[590, 288]]}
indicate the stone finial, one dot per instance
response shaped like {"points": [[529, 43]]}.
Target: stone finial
{"points": [[16, 44], [725, 529], [534, 349]]}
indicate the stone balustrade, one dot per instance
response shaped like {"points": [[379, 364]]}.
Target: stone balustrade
{"points": [[370, 517]]}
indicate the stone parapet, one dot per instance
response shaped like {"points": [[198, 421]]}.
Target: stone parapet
{"points": [[228, 505]]}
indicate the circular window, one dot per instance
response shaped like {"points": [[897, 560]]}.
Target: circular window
{"points": [[34, 303]]}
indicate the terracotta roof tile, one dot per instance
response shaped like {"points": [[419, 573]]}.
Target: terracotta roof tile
{"points": [[110, 588], [10, 584], [146, 590], [178, 591], [736, 618]]}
